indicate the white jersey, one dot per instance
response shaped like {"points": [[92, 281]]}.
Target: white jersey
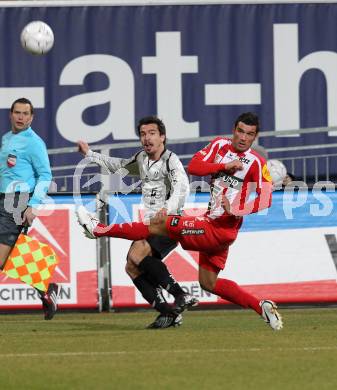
{"points": [[164, 181]]}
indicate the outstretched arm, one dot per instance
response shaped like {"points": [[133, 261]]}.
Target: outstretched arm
{"points": [[111, 164]]}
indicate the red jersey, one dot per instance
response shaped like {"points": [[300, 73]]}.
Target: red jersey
{"points": [[254, 178]]}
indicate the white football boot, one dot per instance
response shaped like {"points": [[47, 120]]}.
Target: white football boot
{"points": [[87, 220], [271, 315]]}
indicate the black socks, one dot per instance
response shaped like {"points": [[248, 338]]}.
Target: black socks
{"points": [[159, 273], [152, 294]]}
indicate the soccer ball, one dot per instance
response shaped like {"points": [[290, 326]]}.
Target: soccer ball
{"points": [[37, 37], [277, 171]]}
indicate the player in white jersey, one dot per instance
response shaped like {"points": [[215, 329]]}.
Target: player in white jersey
{"points": [[164, 189]]}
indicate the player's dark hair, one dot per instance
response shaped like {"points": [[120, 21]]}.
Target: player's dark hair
{"points": [[249, 118], [23, 101], [152, 119]]}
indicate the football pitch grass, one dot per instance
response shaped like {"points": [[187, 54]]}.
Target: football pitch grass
{"points": [[220, 349]]}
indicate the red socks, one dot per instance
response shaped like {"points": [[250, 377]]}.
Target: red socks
{"points": [[232, 292], [130, 231]]}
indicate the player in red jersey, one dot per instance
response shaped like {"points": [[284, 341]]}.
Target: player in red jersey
{"points": [[237, 171]]}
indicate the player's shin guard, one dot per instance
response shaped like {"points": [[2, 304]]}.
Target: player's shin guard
{"points": [[153, 295], [130, 231], [158, 271], [232, 292]]}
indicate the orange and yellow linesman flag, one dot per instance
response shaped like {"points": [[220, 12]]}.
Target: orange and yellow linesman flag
{"points": [[32, 262]]}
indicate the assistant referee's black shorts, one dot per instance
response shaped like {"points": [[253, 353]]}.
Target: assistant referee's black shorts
{"points": [[12, 206]]}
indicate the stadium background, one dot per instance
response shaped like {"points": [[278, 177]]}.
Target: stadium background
{"points": [[197, 66]]}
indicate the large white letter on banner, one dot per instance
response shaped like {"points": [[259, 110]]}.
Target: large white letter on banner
{"points": [[169, 65], [288, 70], [119, 94]]}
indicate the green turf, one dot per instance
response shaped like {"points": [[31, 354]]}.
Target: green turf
{"points": [[230, 349]]}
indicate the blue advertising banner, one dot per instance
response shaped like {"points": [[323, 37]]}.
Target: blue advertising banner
{"points": [[196, 66]]}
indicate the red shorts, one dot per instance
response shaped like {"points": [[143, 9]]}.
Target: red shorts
{"points": [[211, 238]]}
